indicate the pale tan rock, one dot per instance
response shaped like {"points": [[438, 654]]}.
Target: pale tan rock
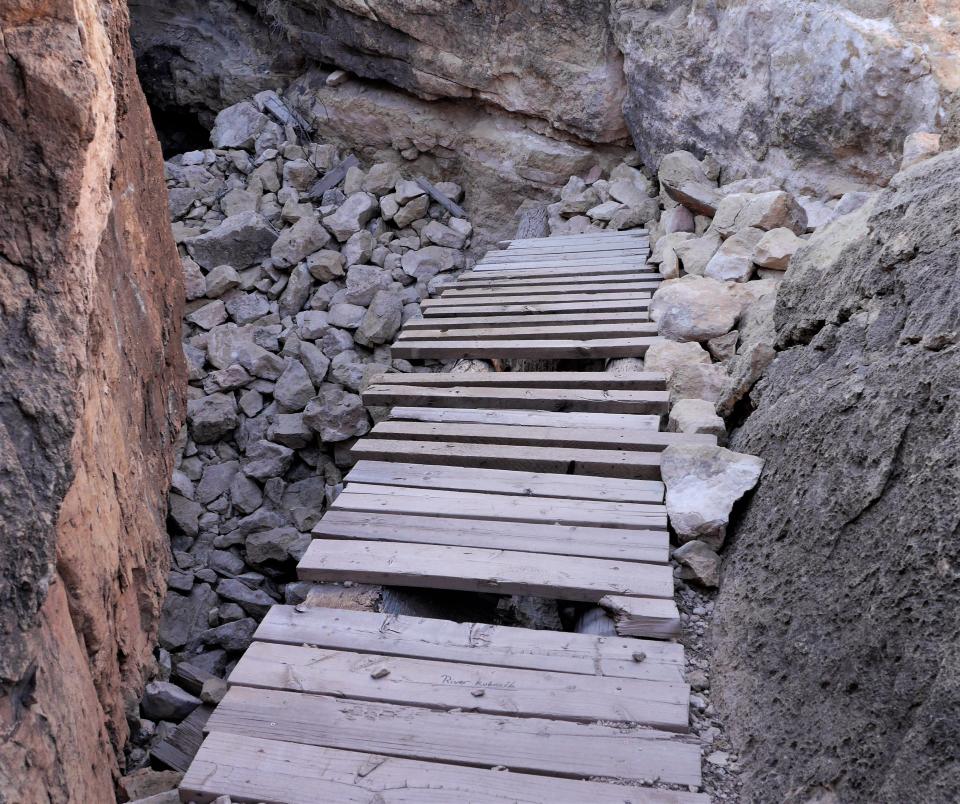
{"points": [[665, 242], [669, 265], [724, 347], [765, 211], [678, 219], [698, 563], [666, 356], [697, 381], [694, 308], [775, 249], [695, 416], [695, 252], [918, 146], [703, 482], [733, 261]]}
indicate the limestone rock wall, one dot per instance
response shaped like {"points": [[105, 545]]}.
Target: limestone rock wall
{"points": [[90, 395], [837, 625]]}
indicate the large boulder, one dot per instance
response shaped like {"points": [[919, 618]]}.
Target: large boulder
{"points": [[694, 308], [240, 240], [836, 629]]}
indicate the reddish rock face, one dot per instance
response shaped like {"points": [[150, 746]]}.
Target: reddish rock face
{"points": [[91, 394]]}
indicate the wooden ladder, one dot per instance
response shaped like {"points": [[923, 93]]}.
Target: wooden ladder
{"points": [[531, 483]]}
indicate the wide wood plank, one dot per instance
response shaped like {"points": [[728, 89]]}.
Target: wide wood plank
{"points": [[254, 769], [632, 381], [504, 481], [555, 332], [602, 462], [559, 399], [612, 249], [472, 643], [451, 685], [597, 236], [482, 273], [491, 290], [526, 308], [491, 349], [537, 418], [507, 572], [498, 281], [529, 320], [620, 544], [506, 508], [530, 745], [644, 440], [551, 298], [643, 617], [637, 263]]}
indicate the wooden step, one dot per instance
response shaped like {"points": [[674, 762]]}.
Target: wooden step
{"points": [[249, 768], [502, 481], [505, 508], [643, 617], [553, 297], [512, 280], [567, 400], [563, 460], [592, 306], [536, 418], [529, 320], [601, 380], [578, 332], [450, 685], [472, 643], [612, 250], [641, 440], [522, 745], [590, 238], [547, 289], [506, 572], [484, 273], [522, 349]]}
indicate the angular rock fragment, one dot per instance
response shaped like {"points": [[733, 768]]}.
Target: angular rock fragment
{"points": [[698, 563], [241, 240], [694, 308]]}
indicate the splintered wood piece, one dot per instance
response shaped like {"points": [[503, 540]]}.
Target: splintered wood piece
{"points": [[448, 685], [537, 418], [532, 745], [645, 440], [447, 203], [643, 617], [507, 572], [504, 481], [473, 643], [601, 380], [508, 508], [560, 399], [648, 546]]}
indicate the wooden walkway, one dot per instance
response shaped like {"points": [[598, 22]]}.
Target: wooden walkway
{"points": [[531, 483]]}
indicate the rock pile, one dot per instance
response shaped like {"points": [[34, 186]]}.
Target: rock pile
{"points": [[299, 270]]}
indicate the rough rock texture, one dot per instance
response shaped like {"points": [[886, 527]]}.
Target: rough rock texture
{"points": [[90, 395], [823, 93], [837, 624]]}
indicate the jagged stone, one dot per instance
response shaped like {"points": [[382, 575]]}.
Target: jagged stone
{"points": [[694, 308], [695, 252], [241, 240], [211, 417], [775, 249], [381, 320], [238, 126], [695, 416], [165, 701], [325, 264], [264, 459], [698, 563], [352, 215], [294, 388], [734, 259], [278, 545], [184, 617], [426, 263], [697, 381], [770, 210], [305, 237], [666, 356], [245, 308], [336, 414]]}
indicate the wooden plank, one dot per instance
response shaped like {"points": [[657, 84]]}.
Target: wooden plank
{"points": [[490, 291], [604, 463], [631, 381], [552, 298], [643, 440], [598, 236], [482, 274], [531, 745], [595, 248], [529, 320], [447, 203], [179, 748], [505, 572], [520, 349], [504, 481], [619, 544], [505, 280], [598, 308], [504, 508], [637, 263], [333, 177], [536, 418], [643, 617], [450, 685], [555, 332], [559, 399], [472, 643], [254, 769]]}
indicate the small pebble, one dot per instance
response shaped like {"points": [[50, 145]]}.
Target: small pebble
{"points": [[380, 672], [477, 693]]}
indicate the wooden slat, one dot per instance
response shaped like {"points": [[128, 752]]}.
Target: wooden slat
{"points": [[558, 399], [523, 349], [552, 298], [507, 280], [507, 572], [472, 643], [483, 274], [491, 290], [584, 332], [598, 236], [529, 320], [643, 440], [502, 481], [613, 249], [536, 418], [253, 769], [606, 463], [450, 685], [532, 745], [525, 308], [508, 508], [633, 381], [637, 263], [643, 617], [618, 544]]}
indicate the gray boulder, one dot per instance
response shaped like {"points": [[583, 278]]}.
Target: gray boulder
{"points": [[240, 240], [336, 414], [165, 701], [238, 126], [211, 417], [381, 320]]}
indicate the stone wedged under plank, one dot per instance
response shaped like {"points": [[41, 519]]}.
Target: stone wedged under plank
{"points": [[508, 572], [472, 643], [505, 481], [443, 685]]}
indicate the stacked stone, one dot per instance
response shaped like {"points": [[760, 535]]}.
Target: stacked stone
{"points": [[293, 301]]}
